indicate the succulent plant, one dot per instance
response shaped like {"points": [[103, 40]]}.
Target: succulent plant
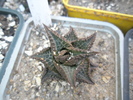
{"points": [[68, 57]]}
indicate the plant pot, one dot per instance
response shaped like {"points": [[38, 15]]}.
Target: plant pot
{"points": [[7, 58], [128, 80], [1, 2], [102, 15], [27, 71]]}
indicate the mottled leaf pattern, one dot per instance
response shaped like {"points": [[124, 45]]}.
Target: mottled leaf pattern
{"points": [[67, 58], [46, 57], [71, 36], [84, 43], [68, 73], [51, 75], [57, 41], [82, 74]]}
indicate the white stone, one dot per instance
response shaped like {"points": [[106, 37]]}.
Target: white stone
{"points": [[0, 65], [40, 68], [63, 83], [106, 79], [44, 37], [1, 56], [31, 44], [47, 95], [27, 82], [105, 57], [9, 0], [39, 49], [1, 47], [130, 39], [8, 38], [46, 45], [37, 33], [113, 4], [37, 94], [59, 6], [12, 23], [29, 53], [9, 17], [3, 44], [57, 88], [52, 83], [38, 81], [90, 5], [22, 8], [109, 8], [109, 35], [106, 98], [1, 32]]}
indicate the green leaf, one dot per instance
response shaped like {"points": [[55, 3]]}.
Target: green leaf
{"points": [[46, 57], [82, 73], [71, 36], [57, 41], [68, 73], [84, 43], [51, 75]]}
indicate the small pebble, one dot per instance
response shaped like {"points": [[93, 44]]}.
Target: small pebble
{"points": [[46, 45], [37, 33], [1, 32], [39, 49], [105, 57], [52, 83], [59, 7], [12, 23], [40, 68], [27, 82], [38, 81], [9, 17], [57, 88], [29, 53], [22, 8], [0, 65], [1, 56], [107, 98], [106, 79], [37, 94], [8, 38]]}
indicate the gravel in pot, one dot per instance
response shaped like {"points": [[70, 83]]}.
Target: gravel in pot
{"points": [[8, 26], [109, 5], [25, 81]]}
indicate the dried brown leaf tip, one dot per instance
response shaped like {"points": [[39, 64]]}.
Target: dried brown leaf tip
{"points": [[68, 58]]}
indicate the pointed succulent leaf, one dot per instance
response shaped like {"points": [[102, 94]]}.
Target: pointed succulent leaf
{"points": [[82, 73], [71, 36], [84, 43], [57, 41], [68, 73], [51, 75], [46, 57]]}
